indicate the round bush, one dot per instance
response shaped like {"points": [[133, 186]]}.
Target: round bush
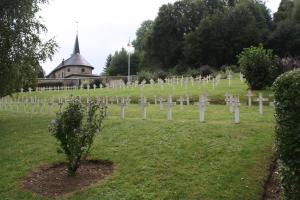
{"points": [[287, 97], [257, 64]]}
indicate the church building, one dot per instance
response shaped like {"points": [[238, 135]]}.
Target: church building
{"points": [[74, 67]]}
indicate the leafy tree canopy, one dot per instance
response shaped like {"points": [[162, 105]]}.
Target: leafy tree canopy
{"points": [[119, 64], [220, 37], [21, 48]]}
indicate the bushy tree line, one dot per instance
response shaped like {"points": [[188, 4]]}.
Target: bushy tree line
{"points": [[189, 34]]}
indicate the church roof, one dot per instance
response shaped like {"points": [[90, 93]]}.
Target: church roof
{"points": [[76, 59]]}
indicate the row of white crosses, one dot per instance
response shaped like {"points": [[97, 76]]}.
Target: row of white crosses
{"points": [[9, 103], [203, 103], [182, 81], [260, 100], [59, 88], [35, 103]]}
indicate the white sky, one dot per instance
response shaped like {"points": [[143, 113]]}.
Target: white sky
{"points": [[104, 26]]}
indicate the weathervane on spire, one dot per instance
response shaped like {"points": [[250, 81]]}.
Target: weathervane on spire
{"points": [[77, 26]]}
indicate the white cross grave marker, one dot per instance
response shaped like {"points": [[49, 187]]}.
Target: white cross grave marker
{"points": [[236, 105], [161, 100], [144, 104], [249, 95], [261, 101], [170, 104], [181, 100]]}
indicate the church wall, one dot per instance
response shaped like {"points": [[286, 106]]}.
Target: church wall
{"points": [[72, 70]]}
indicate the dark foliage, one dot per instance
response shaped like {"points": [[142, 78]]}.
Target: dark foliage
{"points": [[287, 93]]}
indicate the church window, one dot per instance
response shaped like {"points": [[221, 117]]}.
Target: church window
{"points": [[82, 70], [68, 69]]}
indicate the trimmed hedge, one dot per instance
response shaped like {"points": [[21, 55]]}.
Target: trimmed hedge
{"points": [[287, 97]]}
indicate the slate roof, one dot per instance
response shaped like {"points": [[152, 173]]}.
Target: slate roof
{"points": [[76, 59]]}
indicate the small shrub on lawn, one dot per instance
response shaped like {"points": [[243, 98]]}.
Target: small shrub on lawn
{"points": [[287, 97], [258, 65], [75, 129]]}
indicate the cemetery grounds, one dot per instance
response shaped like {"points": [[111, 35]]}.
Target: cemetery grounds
{"points": [[154, 158]]}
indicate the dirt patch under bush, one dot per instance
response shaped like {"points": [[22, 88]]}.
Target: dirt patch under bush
{"points": [[53, 180]]}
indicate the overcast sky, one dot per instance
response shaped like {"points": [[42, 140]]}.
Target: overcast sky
{"points": [[104, 26]]}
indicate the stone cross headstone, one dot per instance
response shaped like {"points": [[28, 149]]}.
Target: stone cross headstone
{"points": [[143, 83], [203, 103], [236, 105], [30, 89], [117, 100], [32, 103], [25, 104], [181, 100], [152, 82], [161, 82], [155, 100], [11, 104], [94, 86], [249, 95], [261, 101], [60, 104], [51, 105], [229, 101], [42, 105], [170, 104], [144, 104], [18, 104], [161, 100], [22, 90], [187, 100], [229, 77], [123, 105], [272, 103], [241, 77], [181, 81]]}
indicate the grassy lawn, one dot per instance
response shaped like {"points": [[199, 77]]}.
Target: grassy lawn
{"points": [[155, 158], [216, 95]]}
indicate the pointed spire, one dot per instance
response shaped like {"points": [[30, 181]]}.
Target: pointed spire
{"points": [[76, 47]]}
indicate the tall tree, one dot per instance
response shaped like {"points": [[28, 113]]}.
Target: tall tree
{"points": [[284, 10], [172, 23], [142, 35], [285, 38], [119, 63], [220, 37], [107, 64], [21, 48], [296, 11], [140, 43]]}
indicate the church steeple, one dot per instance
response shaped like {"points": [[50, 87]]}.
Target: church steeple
{"points": [[76, 47]]}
